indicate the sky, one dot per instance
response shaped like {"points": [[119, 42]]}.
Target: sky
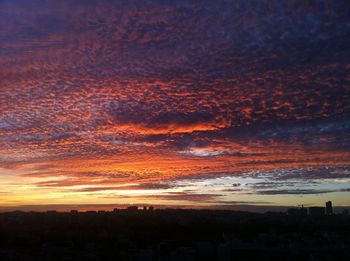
{"points": [[174, 103]]}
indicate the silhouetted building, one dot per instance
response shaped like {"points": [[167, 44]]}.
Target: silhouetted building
{"points": [[205, 251], [174, 235], [224, 252], [293, 211], [301, 212], [132, 208], [329, 208], [316, 211], [345, 212]]}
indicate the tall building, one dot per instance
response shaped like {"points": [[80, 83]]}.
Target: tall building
{"points": [[329, 208]]}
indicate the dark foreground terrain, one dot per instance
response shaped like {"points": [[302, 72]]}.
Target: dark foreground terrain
{"points": [[172, 235]]}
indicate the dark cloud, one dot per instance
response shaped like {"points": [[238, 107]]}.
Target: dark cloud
{"points": [[243, 202], [172, 196], [298, 191], [185, 196], [309, 173], [144, 186]]}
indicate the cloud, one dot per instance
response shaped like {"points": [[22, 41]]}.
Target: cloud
{"points": [[253, 203], [141, 92], [299, 191], [4, 125], [173, 196], [184, 196], [202, 153], [144, 186]]}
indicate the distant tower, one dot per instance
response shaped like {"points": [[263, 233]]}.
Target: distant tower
{"points": [[329, 208]]}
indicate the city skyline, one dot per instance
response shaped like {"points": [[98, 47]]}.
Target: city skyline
{"points": [[198, 104]]}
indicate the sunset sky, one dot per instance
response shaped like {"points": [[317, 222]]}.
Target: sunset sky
{"points": [[174, 103]]}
